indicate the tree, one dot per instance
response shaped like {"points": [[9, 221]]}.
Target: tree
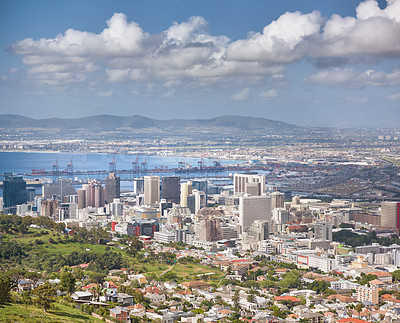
{"points": [[6, 284], [67, 281], [34, 277], [45, 295]]}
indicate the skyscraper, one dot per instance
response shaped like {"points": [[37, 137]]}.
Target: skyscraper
{"points": [[277, 200], [151, 189], [14, 190], [91, 195], [112, 188], [390, 215], [240, 182], [253, 208], [323, 231], [186, 189], [171, 189]]}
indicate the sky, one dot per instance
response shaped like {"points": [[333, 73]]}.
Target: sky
{"points": [[310, 62]]}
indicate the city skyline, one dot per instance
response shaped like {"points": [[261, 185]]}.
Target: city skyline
{"points": [[328, 63]]}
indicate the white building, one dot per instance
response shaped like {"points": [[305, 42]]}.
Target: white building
{"points": [[253, 208]]}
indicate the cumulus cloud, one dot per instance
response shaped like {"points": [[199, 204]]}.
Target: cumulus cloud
{"points": [[280, 41], [395, 96], [187, 53], [241, 95], [348, 77], [105, 94], [272, 93]]}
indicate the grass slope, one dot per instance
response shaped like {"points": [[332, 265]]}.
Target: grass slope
{"points": [[29, 313]]}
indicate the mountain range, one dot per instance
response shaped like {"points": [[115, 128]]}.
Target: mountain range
{"points": [[111, 122]]}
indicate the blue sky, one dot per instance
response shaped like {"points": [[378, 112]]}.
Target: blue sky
{"points": [[328, 63]]}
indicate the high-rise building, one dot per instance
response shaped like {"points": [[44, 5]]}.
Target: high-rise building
{"points": [[151, 189], [241, 181], [253, 208], [138, 186], [14, 190], [62, 187], [280, 218], [49, 208], [209, 229], [323, 231], [390, 215], [186, 189], [277, 200], [201, 185], [171, 189], [91, 195], [112, 187]]}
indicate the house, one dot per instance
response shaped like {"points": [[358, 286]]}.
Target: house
{"points": [[196, 284], [383, 276], [137, 310], [82, 296], [377, 283], [287, 298], [120, 313], [313, 317], [24, 285], [120, 298], [156, 297], [352, 320]]}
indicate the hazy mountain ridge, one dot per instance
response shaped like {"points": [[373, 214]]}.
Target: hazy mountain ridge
{"points": [[110, 122]]}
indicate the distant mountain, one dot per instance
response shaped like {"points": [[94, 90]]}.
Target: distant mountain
{"points": [[110, 122]]}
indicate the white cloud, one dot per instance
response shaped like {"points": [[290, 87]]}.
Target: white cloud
{"points": [[105, 94], [279, 41], [272, 93], [241, 95], [186, 53], [395, 96], [348, 77], [169, 93]]}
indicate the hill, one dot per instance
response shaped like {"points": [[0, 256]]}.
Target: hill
{"points": [[111, 122]]}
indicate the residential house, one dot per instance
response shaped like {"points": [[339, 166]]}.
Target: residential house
{"points": [[120, 313]]}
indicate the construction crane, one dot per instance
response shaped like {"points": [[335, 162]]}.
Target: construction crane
{"points": [[55, 168], [181, 164], [201, 163], [135, 165], [70, 166], [143, 165], [112, 166]]}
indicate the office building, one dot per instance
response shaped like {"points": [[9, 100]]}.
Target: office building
{"points": [[280, 217], [91, 195], [116, 208], [151, 189], [49, 208], [390, 215], [245, 182], [14, 191], [323, 231], [253, 208], [138, 186], [277, 200], [208, 229], [171, 189], [186, 189], [62, 187], [112, 188], [201, 185]]}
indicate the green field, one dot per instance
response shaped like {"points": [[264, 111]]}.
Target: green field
{"points": [[29, 313]]}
